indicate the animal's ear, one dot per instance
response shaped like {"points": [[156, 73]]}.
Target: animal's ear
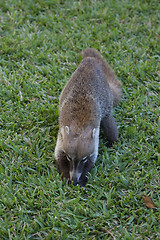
{"points": [[61, 131], [64, 130], [67, 130], [93, 132]]}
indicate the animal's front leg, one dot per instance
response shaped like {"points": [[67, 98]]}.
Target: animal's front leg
{"points": [[63, 165], [61, 158], [87, 168]]}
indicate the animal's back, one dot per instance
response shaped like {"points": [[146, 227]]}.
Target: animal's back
{"points": [[89, 83], [111, 78]]}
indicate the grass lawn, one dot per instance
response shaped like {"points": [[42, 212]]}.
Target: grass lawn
{"points": [[40, 42]]}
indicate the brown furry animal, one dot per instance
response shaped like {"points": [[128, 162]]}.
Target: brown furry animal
{"points": [[86, 102]]}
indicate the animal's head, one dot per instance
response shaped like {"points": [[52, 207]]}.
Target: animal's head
{"points": [[81, 150]]}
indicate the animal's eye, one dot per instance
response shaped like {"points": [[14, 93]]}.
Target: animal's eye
{"points": [[91, 155], [69, 158], [84, 159]]}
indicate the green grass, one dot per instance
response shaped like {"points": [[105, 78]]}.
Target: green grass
{"points": [[40, 41]]}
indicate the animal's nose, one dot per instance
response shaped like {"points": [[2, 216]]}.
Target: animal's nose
{"points": [[75, 181]]}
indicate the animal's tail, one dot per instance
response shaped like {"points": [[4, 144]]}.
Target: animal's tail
{"points": [[114, 83]]}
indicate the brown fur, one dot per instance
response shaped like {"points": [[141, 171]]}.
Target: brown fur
{"points": [[114, 84]]}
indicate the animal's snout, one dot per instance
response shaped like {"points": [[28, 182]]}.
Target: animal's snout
{"points": [[74, 176], [75, 180]]}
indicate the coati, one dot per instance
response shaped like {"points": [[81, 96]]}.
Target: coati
{"points": [[85, 104]]}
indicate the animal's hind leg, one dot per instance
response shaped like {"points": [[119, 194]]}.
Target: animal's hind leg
{"points": [[109, 127]]}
